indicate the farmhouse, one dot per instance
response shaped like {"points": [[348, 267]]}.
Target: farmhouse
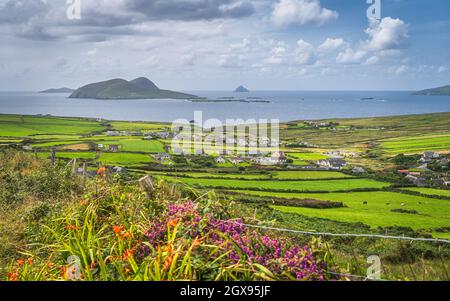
{"points": [[236, 160], [113, 148], [112, 133], [220, 160], [429, 156], [358, 169], [162, 157], [279, 157], [332, 163]]}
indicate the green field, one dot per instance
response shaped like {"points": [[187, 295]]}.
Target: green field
{"points": [[106, 158], [126, 144], [307, 156], [279, 175], [314, 185], [430, 191], [408, 145], [433, 213], [138, 126]]}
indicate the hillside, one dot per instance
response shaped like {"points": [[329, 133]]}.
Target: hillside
{"points": [[440, 91], [139, 88], [60, 90]]}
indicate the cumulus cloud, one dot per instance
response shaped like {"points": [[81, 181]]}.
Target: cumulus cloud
{"points": [[277, 55], [305, 53], [100, 19], [387, 34], [330, 45], [191, 10], [350, 56], [300, 12]]}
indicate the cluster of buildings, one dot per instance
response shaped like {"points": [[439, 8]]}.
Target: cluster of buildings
{"points": [[422, 176]]}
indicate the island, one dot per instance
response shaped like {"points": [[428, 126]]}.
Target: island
{"points": [[139, 88], [440, 91], [241, 89], [60, 90]]}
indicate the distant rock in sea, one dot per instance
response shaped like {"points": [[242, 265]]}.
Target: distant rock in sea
{"points": [[241, 89], [440, 91], [139, 88], [60, 90]]}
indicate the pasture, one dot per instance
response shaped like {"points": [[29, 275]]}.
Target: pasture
{"points": [[25, 126], [430, 191], [432, 213], [420, 144], [312, 185]]}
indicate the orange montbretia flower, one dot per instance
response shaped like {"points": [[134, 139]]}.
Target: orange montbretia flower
{"points": [[118, 229], [20, 262], [168, 263], [102, 171], [128, 254], [172, 223], [13, 276]]}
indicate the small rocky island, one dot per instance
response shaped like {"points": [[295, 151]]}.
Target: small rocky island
{"points": [[139, 88], [241, 89]]}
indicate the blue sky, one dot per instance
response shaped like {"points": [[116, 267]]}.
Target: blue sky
{"points": [[220, 44]]}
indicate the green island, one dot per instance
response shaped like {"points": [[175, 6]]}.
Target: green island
{"points": [[379, 176]]}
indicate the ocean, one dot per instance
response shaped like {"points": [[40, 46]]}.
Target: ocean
{"points": [[284, 105]]}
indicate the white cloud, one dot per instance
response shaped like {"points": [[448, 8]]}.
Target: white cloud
{"points": [[442, 69], [387, 34], [287, 12], [372, 60], [276, 55], [332, 44], [304, 54], [350, 56], [230, 61], [398, 70]]}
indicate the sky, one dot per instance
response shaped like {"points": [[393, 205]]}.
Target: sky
{"points": [[193, 45]]}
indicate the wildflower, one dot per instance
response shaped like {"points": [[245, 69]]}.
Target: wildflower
{"points": [[118, 229], [71, 228], [102, 171], [168, 263], [20, 262], [13, 276], [30, 261], [128, 254], [172, 223]]}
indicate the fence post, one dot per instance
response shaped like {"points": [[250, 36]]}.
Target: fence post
{"points": [[146, 184], [53, 159]]}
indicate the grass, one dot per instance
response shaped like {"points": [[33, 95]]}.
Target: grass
{"points": [[430, 191], [420, 144], [23, 126], [308, 156], [136, 145], [106, 158], [313, 185], [138, 126], [433, 213], [279, 175]]}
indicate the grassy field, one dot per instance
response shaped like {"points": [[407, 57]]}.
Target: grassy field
{"points": [[313, 185], [279, 175], [413, 145], [106, 158], [432, 213], [307, 156], [430, 191], [24, 126], [138, 126]]}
